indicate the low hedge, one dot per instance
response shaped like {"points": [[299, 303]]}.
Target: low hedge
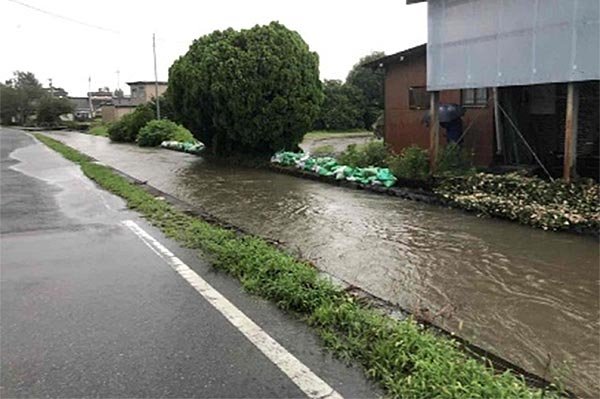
{"points": [[157, 131], [549, 205], [127, 128]]}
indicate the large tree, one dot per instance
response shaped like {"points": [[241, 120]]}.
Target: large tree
{"points": [[51, 108], [20, 97], [370, 82], [249, 91], [343, 107]]}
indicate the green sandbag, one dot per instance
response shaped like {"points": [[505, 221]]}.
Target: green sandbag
{"points": [[385, 176]]}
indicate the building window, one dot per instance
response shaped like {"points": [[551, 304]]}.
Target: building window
{"points": [[474, 97], [418, 98]]}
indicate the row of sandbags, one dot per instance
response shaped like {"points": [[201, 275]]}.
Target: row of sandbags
{"points": [[328, 166], [191, 148]]}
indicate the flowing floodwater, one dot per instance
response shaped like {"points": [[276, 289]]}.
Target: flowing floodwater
{"points": [[524, 294]]}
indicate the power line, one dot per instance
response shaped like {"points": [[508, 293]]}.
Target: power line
{"points": [[55, 15]]}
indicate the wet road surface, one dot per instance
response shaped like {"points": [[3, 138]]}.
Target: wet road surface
{"points": [[522, 293], [89, 310]]}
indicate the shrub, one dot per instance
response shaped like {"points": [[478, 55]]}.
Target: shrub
{"points": [[412, 163], [250, 91], [373, 153], [454, 160], [157, 131], [126, 129]]}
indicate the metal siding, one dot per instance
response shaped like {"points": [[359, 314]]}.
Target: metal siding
{"points": [[483, 43]]}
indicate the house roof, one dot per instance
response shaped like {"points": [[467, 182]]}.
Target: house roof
{"points": [[146, 82], [397, 57]]}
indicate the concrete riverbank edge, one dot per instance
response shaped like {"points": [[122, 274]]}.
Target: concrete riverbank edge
{"points": [[413, 190], [360, 296]]}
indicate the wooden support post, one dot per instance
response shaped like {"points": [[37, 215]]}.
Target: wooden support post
{"points": [[570, 156], [434, 130], [497, 122]]}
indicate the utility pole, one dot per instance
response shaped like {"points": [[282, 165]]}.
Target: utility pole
{"points": [[155, 78], [90, 97], [51, 88]]}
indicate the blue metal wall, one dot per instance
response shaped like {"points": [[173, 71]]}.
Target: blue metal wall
{"points": [[492, 43]]}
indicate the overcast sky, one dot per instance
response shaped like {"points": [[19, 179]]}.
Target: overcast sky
{"points": [[69, 52]]}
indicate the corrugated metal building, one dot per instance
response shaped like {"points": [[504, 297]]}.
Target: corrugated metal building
{"points": [[541, 61]]}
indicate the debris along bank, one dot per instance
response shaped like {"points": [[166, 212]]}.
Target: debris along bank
{"points": [[556, 206], [405, 359]]}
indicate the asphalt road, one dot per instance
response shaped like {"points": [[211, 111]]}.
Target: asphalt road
{"points": [[89, 310]]}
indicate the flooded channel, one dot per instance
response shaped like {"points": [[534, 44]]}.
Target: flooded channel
{"points": [[524, 294]]}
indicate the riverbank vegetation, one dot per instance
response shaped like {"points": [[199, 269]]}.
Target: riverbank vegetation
{"points": [[156, 131], [406, 359], [528, 200]]}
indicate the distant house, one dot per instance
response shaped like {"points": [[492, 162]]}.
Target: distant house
{"points": [[528, 70], [142, 92], [81, 108]]}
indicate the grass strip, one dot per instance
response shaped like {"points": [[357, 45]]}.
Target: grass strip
{"points": [[407, 360]]}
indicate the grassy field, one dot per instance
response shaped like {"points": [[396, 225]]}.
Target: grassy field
{"points": [[407, 360], [322, 134], [99, 130]]}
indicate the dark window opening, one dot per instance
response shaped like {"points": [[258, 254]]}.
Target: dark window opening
{"points": [[474, 97], [418, 98]]}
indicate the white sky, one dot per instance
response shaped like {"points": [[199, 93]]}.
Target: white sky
{"points": [[339, 31]]}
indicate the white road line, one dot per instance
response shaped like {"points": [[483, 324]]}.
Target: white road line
{"points": [[301, 375]]}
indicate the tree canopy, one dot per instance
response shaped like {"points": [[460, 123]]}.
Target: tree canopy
{"points": [[51, 108], [343, 107], [248, 91], [370, 82], [20, 97]]}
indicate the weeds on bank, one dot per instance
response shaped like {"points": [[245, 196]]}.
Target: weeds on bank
{"points": [[408, 361]]}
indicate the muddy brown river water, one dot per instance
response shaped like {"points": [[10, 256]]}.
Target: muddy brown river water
{"points": [[521, 293]]}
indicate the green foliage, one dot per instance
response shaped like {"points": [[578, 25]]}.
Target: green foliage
{"points": [[407, 360], [166, 107], [373, 153], [249, 91], [323, 151], [370, 82], [126, 129], [20, 97], [50, 109], [549, 205], [454, 160], [157, 131], [342, 108], [412, 163], [99, 130]]}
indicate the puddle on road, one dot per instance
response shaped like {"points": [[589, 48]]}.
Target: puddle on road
{"points": [[519, 292], [77, 196]]}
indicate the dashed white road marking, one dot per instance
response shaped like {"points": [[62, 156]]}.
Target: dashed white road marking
{"points": [[300, 374]]}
